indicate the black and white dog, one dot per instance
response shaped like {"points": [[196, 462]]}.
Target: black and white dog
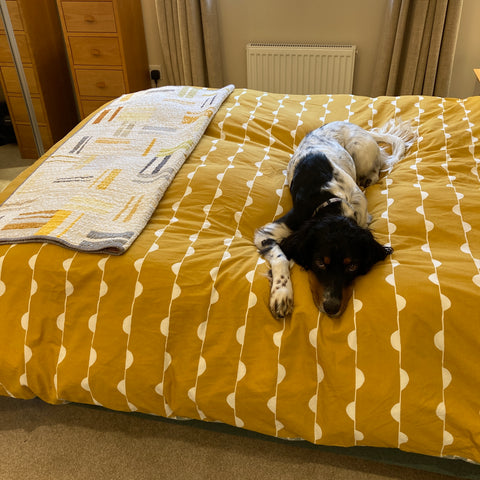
{"points": [[326, 231]]}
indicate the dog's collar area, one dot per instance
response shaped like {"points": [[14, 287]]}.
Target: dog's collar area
{"points": [[326, 204]]}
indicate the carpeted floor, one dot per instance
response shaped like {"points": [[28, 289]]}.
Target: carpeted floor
{"points": [[11, 164], [62, 442]]}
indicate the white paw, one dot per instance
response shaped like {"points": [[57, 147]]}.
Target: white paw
{"points": [[281, 297]]}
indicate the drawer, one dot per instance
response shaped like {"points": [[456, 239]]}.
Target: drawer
{"points": [[100, 83], [15, 16], [19, 112], [89, 17], [89, 106], [12, 83], [95, 51], [6, 54], [26, 141]]}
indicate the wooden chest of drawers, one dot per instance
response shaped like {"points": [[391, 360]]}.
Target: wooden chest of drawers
{"points": [[106, 48], [39, 39]]}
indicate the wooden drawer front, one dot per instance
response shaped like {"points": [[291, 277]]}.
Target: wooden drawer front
{"points": [[95, 51], [89, 106], [19, 111], [5, 54], [15, 16], [12, 83], [100, 83], [89, 16], [26, 140]]}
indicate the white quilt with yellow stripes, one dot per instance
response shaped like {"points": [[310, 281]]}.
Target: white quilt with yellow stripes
{"points": [[179, 325], [97, 191]]}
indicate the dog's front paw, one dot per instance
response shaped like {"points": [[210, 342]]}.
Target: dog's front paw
{"points": [[281, 298]]}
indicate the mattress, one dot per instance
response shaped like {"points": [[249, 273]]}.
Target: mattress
{"points": [[179, 326]]}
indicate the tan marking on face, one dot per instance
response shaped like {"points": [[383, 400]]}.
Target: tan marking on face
{"points": [[317, 290]]}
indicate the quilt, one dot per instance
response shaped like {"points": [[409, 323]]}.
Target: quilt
{"points": [[179, 325], [97, 191]]}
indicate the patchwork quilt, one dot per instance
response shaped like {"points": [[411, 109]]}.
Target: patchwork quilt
{"points": [[97, 191]]}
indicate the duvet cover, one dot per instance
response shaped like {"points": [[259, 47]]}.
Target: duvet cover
{"points": [[179, 326]]}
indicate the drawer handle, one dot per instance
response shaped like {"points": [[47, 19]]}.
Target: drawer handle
{"points": [[89, 18], [95, 52], [101, 85]]}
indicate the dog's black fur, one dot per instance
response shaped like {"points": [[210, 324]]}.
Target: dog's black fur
{"points": [[331, 246], [336, 251]]}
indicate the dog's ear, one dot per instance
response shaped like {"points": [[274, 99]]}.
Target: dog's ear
{"points": [[374, 252], [386, 251], [297, 247]]}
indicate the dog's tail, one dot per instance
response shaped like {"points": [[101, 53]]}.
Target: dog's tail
{"points": [[399, 135]]}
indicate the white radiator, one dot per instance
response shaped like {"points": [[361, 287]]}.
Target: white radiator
{"points": [[300, 69]]}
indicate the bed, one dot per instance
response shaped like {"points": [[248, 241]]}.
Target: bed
{"points": [[177, 325]]}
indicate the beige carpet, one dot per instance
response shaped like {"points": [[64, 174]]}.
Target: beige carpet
{"points": [[40, 441], [11, 164]]}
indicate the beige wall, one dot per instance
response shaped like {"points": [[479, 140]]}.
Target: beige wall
{"points": [[151, 32], [321, 21]]}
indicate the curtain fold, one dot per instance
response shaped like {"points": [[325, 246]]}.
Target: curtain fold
{"points": [[190, 43], [417, 47]]}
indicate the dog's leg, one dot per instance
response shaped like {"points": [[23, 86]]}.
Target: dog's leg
{"points": [[359, 203], [267, 241]]}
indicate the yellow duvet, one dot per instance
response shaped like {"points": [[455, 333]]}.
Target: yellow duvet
{"points": [[179, 325]]}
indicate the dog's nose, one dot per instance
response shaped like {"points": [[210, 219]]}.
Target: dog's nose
{"points": [[332, 306]]}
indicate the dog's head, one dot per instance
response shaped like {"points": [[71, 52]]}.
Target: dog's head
{"points": [[334, 251]]}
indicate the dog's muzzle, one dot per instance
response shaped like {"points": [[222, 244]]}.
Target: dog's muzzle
{"points": [[328, 302]]}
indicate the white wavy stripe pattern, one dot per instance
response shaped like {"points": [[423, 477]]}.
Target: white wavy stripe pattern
{"points": [[466, 227], [359, 375], [313, 335], [127, 329], [395, 338], [349, 108], [327, 111], [357, 306], [281, 372], [439, 337], [252, 300], [2, 258], [313, 403], [352, 336], [61, 320], [165, 323], [277, 336], [445, 303], [293, 133], [474, 170], [202, 329], [27, 351], [92, 326]]}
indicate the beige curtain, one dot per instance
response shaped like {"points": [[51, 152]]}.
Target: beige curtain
{"points": [[190, 43], [417, 49]]}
